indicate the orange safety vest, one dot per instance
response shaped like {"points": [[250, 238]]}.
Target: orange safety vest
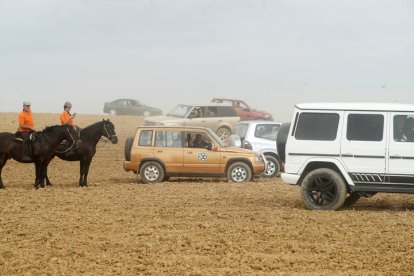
{"points": [[26, 118], [65, 118]]}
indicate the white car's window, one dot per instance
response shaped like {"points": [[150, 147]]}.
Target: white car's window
{"points": [[267, 131], [180, 111], [365, 127], [403, 128], [317, 126]]}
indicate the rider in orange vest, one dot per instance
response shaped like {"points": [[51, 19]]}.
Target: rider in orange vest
{"points": [[65, 117], [26, 124]]}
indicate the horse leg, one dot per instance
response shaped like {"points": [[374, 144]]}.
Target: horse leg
{"points": [[82, 172], [87, 165], [45, 177], [37, 181], [3, 161]]}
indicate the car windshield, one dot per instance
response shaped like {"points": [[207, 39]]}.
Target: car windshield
{"points": [[179, 111], [219, 141], [241, 130]]}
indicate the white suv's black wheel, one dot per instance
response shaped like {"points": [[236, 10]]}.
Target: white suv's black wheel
{"points": [[239, 172], [273, 167], [223, 133], [323, 189], [151, 172]]}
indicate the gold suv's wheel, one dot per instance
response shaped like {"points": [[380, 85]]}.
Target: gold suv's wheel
{"points": [[239, 172], [151, 172]]}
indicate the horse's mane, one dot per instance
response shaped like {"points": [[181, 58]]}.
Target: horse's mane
{"points": [[96, 124], [51, 128]]}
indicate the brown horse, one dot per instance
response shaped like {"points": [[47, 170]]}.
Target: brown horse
{"points": [[42, 148], [90, 136]]}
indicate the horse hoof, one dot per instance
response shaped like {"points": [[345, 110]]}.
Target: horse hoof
{"points": [[2, 187]]}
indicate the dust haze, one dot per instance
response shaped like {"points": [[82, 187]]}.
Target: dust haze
{"points": [[272, 54]]}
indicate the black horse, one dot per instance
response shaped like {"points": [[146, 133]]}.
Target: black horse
{"points": [[90, 137], [42, 148]]}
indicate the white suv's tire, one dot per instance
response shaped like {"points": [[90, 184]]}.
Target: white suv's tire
{"points": [[273, 167], [151, 172], [323, 189], [239, 172]]}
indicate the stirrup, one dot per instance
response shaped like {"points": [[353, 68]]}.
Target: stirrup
{"points": [[18, 139]]}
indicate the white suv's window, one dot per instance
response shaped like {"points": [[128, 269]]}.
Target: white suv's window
{"points": [[266, 131], [365, 127], [241, 130], [403, 128], [317, 126]]}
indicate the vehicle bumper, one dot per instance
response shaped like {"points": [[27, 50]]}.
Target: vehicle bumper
{"points": [[130, 166], [259, 169], [290, 178]]}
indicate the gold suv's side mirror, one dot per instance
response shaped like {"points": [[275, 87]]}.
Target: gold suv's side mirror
{"points": [[215, 148]]}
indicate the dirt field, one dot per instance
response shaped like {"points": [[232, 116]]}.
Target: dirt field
{"points": [[187, 226]]}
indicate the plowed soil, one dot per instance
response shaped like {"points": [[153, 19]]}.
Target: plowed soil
{"points": [[187, 226]]}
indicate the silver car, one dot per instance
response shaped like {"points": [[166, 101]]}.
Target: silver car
{"points": [[259, 136]]}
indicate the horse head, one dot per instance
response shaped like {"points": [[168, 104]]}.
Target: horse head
{"points": [[109, 131]]}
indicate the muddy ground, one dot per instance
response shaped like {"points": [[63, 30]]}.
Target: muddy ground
{"points": [[187, 226]]}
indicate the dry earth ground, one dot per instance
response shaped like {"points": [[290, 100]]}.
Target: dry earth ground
{"points": [[187, 226]]}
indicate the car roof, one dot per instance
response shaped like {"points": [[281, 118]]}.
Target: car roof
{"points": [[260, 122], [226, 99], [206, 104], [175, 127], [359, 106]]}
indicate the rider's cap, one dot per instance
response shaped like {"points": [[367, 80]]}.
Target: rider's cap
{"points": [[26, 103], [68, 104]]}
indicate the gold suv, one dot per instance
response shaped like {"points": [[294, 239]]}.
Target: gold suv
{"points": [[157, 153]]}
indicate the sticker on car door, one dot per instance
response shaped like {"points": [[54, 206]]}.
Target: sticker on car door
{"points": [[202, 156]]}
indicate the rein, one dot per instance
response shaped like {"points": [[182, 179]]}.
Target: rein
{"points": [[73, 144]]}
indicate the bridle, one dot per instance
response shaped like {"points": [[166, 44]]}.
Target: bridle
{"points": [[73, 142], [108, 136]]}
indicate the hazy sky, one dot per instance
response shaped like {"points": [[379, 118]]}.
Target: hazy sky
{"points": [[271, 53]]}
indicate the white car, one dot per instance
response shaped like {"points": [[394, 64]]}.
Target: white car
{"points": [[259, 136], [338, 152]]}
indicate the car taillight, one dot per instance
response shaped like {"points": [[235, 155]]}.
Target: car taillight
{"points": [[247, 145]]}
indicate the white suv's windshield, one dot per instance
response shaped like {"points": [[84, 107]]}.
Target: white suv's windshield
{"points": [[241, 130], [180, 111]]}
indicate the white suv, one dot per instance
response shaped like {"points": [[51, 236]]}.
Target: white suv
{"points": [[259, 136], [339, 152]]}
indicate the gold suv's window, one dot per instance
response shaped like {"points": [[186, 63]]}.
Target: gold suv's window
{"points": [[145, 138], [171, 139], [197, 140]]}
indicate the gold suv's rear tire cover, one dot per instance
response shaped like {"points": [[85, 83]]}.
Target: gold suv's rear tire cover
{"points": [[151, 172], [239, 172]]}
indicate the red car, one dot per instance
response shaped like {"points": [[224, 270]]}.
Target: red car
{"points": [[244, 111]]}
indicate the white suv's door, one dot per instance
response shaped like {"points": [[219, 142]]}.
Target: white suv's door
{"points": [[363, 146], [401, 149]]}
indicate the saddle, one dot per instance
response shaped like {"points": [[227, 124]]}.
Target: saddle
{"points": [[18, 137]]}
